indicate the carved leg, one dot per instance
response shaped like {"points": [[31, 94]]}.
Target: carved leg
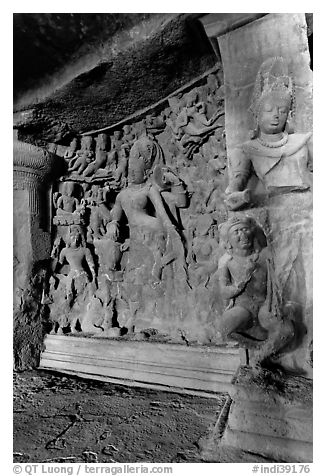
{"points": [[233, 321], [130, 324]]}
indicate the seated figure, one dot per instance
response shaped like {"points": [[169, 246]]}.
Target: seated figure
{"points": [[253, 313]]}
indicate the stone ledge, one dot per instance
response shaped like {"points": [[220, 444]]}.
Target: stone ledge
{"points": [[188, 369]]}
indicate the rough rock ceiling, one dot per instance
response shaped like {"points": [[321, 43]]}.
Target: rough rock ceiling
{"points": [[77, 72]]}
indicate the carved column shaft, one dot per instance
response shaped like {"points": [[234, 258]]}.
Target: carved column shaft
{"points": [[32, 242], [245, 42]]}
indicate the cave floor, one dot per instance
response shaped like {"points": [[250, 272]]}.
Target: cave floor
{"points": [[67, 419]]}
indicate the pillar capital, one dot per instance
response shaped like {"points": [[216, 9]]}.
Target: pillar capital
{"points": [[31, 165]]}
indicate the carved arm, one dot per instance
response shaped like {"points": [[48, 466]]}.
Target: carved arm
{"points": [[228, 289], [157, 201]]}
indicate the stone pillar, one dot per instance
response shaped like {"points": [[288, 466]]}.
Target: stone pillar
{"points": [[270, 414], [244, 43], [32, 247]]}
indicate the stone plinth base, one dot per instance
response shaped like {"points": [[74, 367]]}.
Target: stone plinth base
{"points": [[201, 370], [271, 416]]}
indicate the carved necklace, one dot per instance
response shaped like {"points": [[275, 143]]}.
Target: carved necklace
{"points": [[276, 144]]}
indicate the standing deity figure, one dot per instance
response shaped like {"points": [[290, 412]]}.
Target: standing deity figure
{"points": [[77, 256], [153, 238], [99, 215], [282, 161], [253, 315], [69, 294]]}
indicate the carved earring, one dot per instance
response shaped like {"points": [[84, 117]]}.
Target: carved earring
{"points": [[255, 132], [289, 126]]}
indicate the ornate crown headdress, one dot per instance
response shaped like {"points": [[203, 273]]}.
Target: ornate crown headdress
{"points": [[272, 76]]}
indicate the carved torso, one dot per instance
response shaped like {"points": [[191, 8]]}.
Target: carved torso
{"points": [[285, 166]]}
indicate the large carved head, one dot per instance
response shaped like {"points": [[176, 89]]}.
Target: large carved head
{"points": [[143, 155], [273, 96]]}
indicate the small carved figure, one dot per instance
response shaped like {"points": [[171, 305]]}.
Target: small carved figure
{"points": [[99, 214], [71, 151], [191, 126], [66, 203], [83, 157], [202, 243], [108, 249], [77, 255], [129, 136], [120, 175], [116, 140], [100, 156]]}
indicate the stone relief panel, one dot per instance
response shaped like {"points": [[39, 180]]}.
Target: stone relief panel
{"points": [[135, 224], [154, 237]]}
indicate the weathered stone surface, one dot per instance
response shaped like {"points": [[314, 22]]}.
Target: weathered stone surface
{"points": [[147, 198], [32, 248], [190, 369], [147, 203], [271, 415], [278, 449], [113, 66], [64, 419]]}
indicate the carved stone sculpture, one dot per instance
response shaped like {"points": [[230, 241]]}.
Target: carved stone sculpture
{"points": [[99, 215], [132, 203], [151, 229], [66, 202], [76, 283], [100, 161], [191, 127], [69, 209], [83, 157], [77, 255], [282, 161], [253, 312], [72, 149]]}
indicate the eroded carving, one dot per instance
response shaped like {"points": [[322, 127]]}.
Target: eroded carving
{"points": [[191, 126], [148, 215], [253, 315], [282, 161]]}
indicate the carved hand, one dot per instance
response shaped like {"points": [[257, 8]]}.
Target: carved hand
{"points": [[236, 200]]}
